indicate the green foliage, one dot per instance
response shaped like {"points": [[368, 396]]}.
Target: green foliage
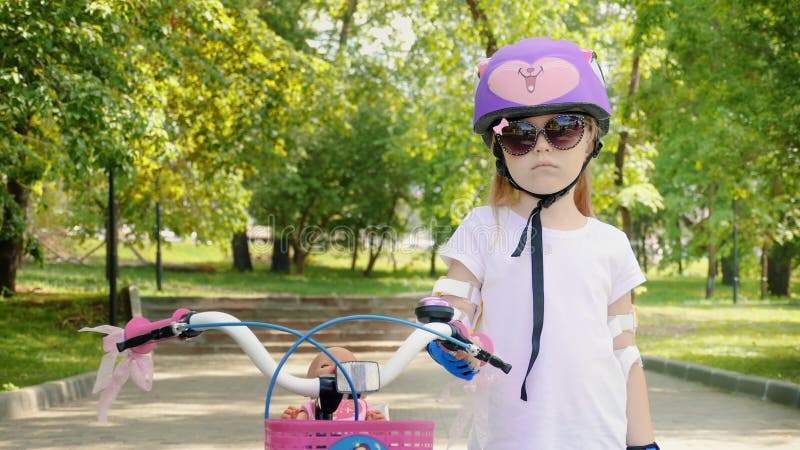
{"points": [[731, 67], [64, 101], [328, 117]]}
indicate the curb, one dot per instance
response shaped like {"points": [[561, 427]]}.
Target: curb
{"points": [[767, 389], [26, 401]]}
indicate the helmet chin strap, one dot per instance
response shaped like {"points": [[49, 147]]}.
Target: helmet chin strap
{"points": [[545, 200], [537, 256]]}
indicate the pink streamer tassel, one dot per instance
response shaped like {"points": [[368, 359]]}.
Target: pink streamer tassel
{"points": [[111, 376]]}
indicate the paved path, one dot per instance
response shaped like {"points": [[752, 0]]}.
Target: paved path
{"points": [[216, 402]]}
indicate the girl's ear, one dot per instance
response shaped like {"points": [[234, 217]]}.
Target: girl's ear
{"points": [[588, 152]]}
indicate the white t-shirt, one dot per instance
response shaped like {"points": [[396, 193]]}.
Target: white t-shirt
{"points": [[576, 389]]}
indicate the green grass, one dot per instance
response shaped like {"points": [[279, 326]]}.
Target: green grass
{"points": [[39, 340], [756, 337], [761, 340], [753, 336], [317, 280]]}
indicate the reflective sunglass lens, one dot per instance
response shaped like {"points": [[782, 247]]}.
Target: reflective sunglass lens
{"points": [[518, 138], [564, 132]]}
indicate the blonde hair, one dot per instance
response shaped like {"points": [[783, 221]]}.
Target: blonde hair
{"points": [[503, 194]]}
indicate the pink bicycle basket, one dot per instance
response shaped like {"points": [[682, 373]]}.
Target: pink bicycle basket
{"points": [[283, 434]]}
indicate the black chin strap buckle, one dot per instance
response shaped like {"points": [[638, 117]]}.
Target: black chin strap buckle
{"points": [[597, 147]]}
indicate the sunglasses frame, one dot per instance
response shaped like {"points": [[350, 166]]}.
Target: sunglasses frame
{"points": [[538, 130]]}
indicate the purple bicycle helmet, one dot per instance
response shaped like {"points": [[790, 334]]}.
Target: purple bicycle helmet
{"points": [[539, 76]]}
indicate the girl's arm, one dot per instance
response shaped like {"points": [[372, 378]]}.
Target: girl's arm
{"points": [[459, 271], [640, 424]]}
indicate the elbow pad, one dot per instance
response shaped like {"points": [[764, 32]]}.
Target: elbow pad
{"points": [[461, 289], [626, 356]]}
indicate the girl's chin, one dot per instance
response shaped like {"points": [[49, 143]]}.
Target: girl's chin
{"points": [[543, 188]]}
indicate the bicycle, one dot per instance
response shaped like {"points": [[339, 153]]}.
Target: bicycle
{"points": [[351, 379]]}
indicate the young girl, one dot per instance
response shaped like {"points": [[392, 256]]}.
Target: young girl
{"points": [[547, 282], [322, 365]]}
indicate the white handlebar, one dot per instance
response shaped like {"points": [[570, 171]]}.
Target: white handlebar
{"points": [[247, 340], [409, 349], [309, 387]]}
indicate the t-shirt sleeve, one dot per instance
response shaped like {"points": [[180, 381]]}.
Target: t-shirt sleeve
{"points": [[466, 247], [626, 271]]}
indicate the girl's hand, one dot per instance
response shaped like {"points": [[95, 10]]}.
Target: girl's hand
{"points": [[291, 413], [474, 362], [453, 362], [375, 415]]}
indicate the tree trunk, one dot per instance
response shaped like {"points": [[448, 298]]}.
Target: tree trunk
{"points": [[393, 256], [679, 246], [619, 181], [764, 271], [356, 245], [712, 271], [125, 312], [622, 149], [642, 250], [728, 272], [280, 255], [12, 243], [373, 253], [347, 22], [298, 256], [300, 262], [779, 269], [241, 252], [712, 249], [385, 231], [434, 252], [482, 24]]}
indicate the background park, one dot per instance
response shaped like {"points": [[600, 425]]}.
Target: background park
{"points": [[318, 147]]}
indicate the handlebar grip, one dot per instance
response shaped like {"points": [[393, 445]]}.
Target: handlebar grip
{"points": [[154, 335], [496, 362], [139, 332], [133, 342]]}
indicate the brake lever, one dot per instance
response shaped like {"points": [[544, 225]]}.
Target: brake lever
{"points": [[474, 350]]}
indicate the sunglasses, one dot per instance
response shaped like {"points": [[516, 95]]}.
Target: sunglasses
{"points": [[519, 137]]}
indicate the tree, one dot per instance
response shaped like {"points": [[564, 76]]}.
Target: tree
{"points": [[65, 103], [711, 120], [331, 176], [178, 96]]}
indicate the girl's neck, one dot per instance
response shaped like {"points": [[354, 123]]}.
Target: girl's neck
{"points": [[561, 215]]}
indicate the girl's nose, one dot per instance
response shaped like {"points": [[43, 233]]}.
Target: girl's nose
{"points": [[541, 143]]}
